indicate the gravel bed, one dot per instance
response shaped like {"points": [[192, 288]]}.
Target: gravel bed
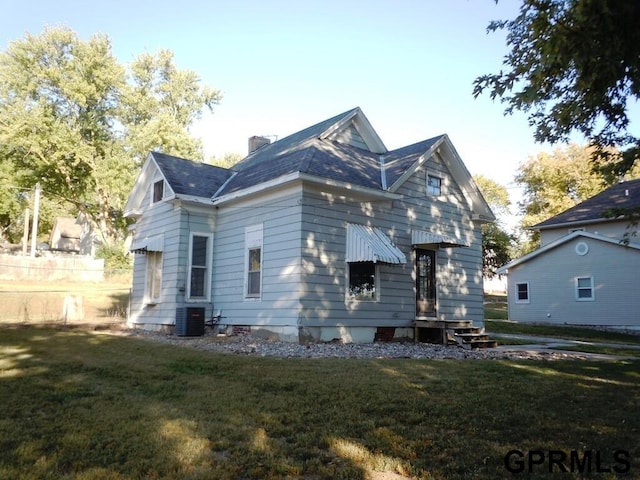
{"points": [[259, 347]]}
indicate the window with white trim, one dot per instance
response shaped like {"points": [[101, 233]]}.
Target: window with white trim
{"points": [[362, 281], [584, 289], [522, 292], [158, 191], [153, 281], [200, 247], [253, 261], [434, 186]]}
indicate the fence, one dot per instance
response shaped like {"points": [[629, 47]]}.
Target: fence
{"points": [[62, 289], [60, 267]]}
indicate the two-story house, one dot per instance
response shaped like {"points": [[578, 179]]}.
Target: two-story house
{"points": [[323, 234]]}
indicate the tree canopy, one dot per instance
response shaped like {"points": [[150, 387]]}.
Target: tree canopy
{"points": [[573, 66], [496, 241], [80, 123]]}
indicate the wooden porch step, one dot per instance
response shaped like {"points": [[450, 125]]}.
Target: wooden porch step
{"points": [[453, 332], [470, 337], [443, 323], [488, 343]]}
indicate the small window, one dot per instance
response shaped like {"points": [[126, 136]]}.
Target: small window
{"points": [[253, 272], [434, 186], [158, 191], [362, 281], [200, 259], [584, 289], [253, 261], [154, 277], [522, 292]]}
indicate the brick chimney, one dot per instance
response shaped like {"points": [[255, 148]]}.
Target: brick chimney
{"points": [[257, 142]]}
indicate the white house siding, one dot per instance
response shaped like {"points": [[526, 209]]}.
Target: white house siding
{"points": [[551, 277], [606, 229], [159, 219], [278, 305], [459, 270], [324, 278]]}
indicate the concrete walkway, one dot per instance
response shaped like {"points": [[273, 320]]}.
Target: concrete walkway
{"points": [[553, 344]]}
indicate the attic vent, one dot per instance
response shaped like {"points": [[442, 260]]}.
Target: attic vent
{"points": [[257, 142]]}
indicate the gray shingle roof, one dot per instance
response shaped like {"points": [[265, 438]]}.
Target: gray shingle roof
{"points": [[305, 151], [624, 195], [400, 160], [191, 178]]}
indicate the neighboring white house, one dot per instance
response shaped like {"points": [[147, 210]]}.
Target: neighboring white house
{"points": [[586, 271], [72, 235], [323, 234]]}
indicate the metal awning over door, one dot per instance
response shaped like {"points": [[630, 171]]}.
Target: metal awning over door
{"points": [[148, 244], [370, 244], [421, 237]]}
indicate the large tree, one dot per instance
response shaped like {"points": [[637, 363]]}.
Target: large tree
{"points": [[496, 241], [77, 121], [573, 66], [554, 182]]}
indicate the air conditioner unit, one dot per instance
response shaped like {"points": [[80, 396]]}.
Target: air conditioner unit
{"points": [[191, 324]]}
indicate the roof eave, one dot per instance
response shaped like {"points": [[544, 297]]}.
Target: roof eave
{"points": [[575, 223], [261, 187], [357, 189], [299, 176]]}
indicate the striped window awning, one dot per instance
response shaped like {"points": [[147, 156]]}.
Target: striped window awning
{"points": [[148, 244], [420, 237], [370, 244]]}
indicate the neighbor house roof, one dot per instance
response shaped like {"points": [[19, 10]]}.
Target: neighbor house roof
{"points": [[624, 195], [561, 241], [66, 227]]}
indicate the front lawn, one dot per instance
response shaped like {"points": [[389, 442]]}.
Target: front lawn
{"points": [[80, 405], [560, 331]]}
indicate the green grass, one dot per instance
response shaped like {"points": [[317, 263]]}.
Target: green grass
{"points": [[80, 405], [495, 307], [600, 349], [33, 302], [566, 332]]}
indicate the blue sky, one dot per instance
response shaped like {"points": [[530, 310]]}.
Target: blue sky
{"points": [[284, 65]]}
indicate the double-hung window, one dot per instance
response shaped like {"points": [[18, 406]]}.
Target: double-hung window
{"points": [[158, 191], [434, 186], [584, 289], [153, 283], [253, 261], [200, 248], [522, 292]]}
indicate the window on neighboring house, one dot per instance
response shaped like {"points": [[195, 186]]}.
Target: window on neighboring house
{"points": [[158, 191], [522, 292], [199, 260], [584, 289], [253, 261], [154, 277], [362, 281], [434, 186]]}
